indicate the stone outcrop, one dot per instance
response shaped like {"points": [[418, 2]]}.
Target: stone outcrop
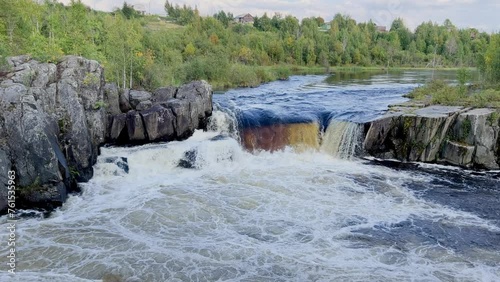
{"points": [[52, 124], [438, 134], [55, 116], [169, 113]]}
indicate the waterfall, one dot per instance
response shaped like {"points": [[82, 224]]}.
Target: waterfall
{"points": [[342, 139], [225, 122]]}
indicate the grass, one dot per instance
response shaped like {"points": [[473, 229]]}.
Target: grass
{"points": [[252, 76], [438, 92], [156, 24]]}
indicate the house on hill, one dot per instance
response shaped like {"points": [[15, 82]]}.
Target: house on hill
{"points": [[244, 19], [381, 28], [140, 8]]}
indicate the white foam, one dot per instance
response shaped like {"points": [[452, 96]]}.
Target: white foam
{"points": [[236, 216]]}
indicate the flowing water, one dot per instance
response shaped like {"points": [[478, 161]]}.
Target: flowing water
{"points": [[206, 209]]}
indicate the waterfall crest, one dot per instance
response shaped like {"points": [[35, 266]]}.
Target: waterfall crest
{"points": [[342, 139]]}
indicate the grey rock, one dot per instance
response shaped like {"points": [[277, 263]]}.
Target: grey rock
{"points": [[457, 154], [144, 105], [5, 166], [112, 99], [458, 136], [12, 92], [124, 101], [135, 97], [437, 111], [18, 60], [164, 117], [181, 110], [164, 94], [478, 130], [189, 159], [159, 123], [41, 75], [199, 93], [117, 125], [30, 145], [135, 127], [50, 125], [120, 162]]}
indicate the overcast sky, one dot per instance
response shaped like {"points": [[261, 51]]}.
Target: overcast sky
{"points": [[481, 14]]}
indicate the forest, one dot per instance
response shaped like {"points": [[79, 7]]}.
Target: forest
{"points": [[147, 51]]}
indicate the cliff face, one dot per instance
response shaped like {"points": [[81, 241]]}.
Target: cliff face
{"points": [[50, 127], [167, 114], [438, 134], [54, 118]]}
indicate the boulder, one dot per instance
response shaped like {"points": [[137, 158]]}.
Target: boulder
{"points": [[199, 93], [112, 99], [159, 123], [124, 101], [181, 110], [120, 162], [164, 94], [136, 97], [457, 154], [135, 127], [189, 159], [51, 127], [117, 126], [476, 128], [169, 113], [144, 105]]}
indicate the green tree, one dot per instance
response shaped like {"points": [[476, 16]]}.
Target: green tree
{"points": [[490, 61]]}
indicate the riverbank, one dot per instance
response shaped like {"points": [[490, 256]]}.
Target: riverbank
{"points": [[438, 92], [243, 76], [454, 135]]}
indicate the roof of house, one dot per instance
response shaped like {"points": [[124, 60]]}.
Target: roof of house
{"points": [[243, 15]]}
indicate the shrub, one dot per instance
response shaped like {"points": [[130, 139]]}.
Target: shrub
{"points": [[264, 75], [243, 76], [283, 73]]}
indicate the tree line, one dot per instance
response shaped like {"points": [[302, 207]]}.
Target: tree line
{"points": [[149, 51]]}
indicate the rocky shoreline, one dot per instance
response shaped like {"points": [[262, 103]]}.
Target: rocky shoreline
{"points": [[55, 117], [459, 136]]}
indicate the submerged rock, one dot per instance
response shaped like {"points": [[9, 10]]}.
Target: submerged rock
{"points": [[189, 159], [120, 162]]}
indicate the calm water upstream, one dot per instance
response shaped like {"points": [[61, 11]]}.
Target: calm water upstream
{"points": [[286, 215]]}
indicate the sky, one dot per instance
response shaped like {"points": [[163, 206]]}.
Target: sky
{"points": [[480, 14]]}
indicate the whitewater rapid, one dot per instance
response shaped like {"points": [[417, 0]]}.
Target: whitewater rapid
{"points": [[228, 214], [282, 216]]}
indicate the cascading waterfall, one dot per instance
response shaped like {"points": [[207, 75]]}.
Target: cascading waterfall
{"points": [[205, 209], [224, 121], [342, 139]]}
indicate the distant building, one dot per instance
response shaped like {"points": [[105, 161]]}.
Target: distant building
{"points": [[140, 8], [325, 27], [244, 19], [381, 28]]}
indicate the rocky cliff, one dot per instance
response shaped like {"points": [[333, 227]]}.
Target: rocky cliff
{"points": [[54, 118], [51, 127], [437, 134], [168, 113]]}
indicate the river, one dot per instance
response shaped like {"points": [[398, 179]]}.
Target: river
{"points": [[207, 209]]}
